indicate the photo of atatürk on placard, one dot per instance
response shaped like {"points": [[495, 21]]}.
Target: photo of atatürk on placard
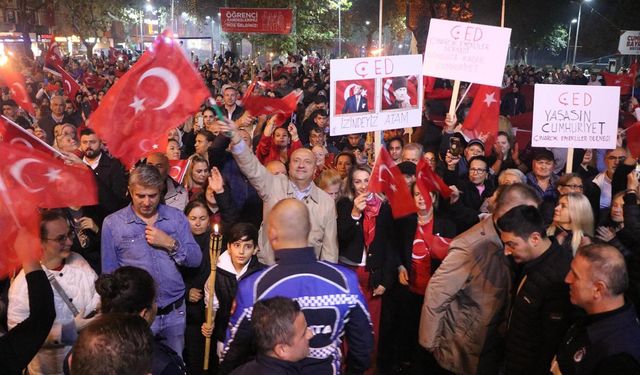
{"points": [[399, 92], [353, 96]]}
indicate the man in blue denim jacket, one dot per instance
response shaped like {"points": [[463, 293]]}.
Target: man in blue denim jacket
{"points": [[156, 238]]}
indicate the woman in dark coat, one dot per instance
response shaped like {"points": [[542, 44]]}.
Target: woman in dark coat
{"points": [[365, 239]]}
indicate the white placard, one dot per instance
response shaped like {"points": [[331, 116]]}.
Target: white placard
{"points": [[375, 94], [571, 116], [629, 43], [466, 51]]}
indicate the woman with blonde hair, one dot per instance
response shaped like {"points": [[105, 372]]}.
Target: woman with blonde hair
{"points": [[572, 222], [331, 182], [195, 179]]}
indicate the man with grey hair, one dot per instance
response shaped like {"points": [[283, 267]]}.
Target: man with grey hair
{"points": [[175, 195], [158, 239], [466, 301], [57, 116], [607, 340]]}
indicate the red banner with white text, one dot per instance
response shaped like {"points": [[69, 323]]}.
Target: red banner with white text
{"points": [[256, 20]]}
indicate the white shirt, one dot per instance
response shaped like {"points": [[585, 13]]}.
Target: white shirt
{"points": [[604, 183], [93, 164]]}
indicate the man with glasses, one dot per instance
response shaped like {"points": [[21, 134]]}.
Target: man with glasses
{"points": [[612, 158], [75, 297]]}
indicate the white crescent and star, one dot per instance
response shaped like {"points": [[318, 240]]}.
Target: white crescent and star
{"points": [[17, 168], [143, 145], [170, 80]]}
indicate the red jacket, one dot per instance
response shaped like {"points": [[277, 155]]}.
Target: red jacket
{"points": [[267, 151]]}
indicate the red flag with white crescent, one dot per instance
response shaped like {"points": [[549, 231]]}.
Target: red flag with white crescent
{"points": [[53, 59], [16, 84], [157, 94], [70, 86], [14, 135], [264, 105], [46, 179], [31, 179], [430, 181], [386, 178], [178, 169]]}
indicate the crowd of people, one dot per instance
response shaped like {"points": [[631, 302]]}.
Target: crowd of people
{"points": [[524, 268]]}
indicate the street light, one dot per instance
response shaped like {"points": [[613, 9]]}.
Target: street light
{"points": [[213, 22], [566, 58], [575, 48]]}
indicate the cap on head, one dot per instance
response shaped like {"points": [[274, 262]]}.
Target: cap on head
{"points": [[543, 154], [476, 142]]}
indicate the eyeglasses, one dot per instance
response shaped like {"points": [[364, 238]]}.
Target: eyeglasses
{"points": [[62, 238], [477, 170], [574, 186], [619, 158]]}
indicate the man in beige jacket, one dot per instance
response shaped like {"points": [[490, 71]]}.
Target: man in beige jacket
{"points": [[466, 302], [298, 184]]}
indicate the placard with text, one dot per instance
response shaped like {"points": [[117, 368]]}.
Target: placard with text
{"points": [[375, 93], [629, 42], [572, 116], [467, 52]]}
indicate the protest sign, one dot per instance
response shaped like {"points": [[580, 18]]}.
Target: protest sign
{"points": [[256, 20], [375, 93], [466, 52], [629, 42], [571, 116]]}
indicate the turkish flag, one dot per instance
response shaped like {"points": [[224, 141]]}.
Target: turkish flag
{"points": [[94, 81], [633, 139], [14, 135], [429, 181], [625, 81], [41, 176], [15, 82], [386, 178], [178, 169], [264, 105], [17, 213], [483, 115], [53, 59], [266, 85], [158, 93], [70, 86]]}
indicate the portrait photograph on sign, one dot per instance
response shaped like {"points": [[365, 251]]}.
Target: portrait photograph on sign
{"points": [[399, 92], [355, 96], [390, 94]]}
